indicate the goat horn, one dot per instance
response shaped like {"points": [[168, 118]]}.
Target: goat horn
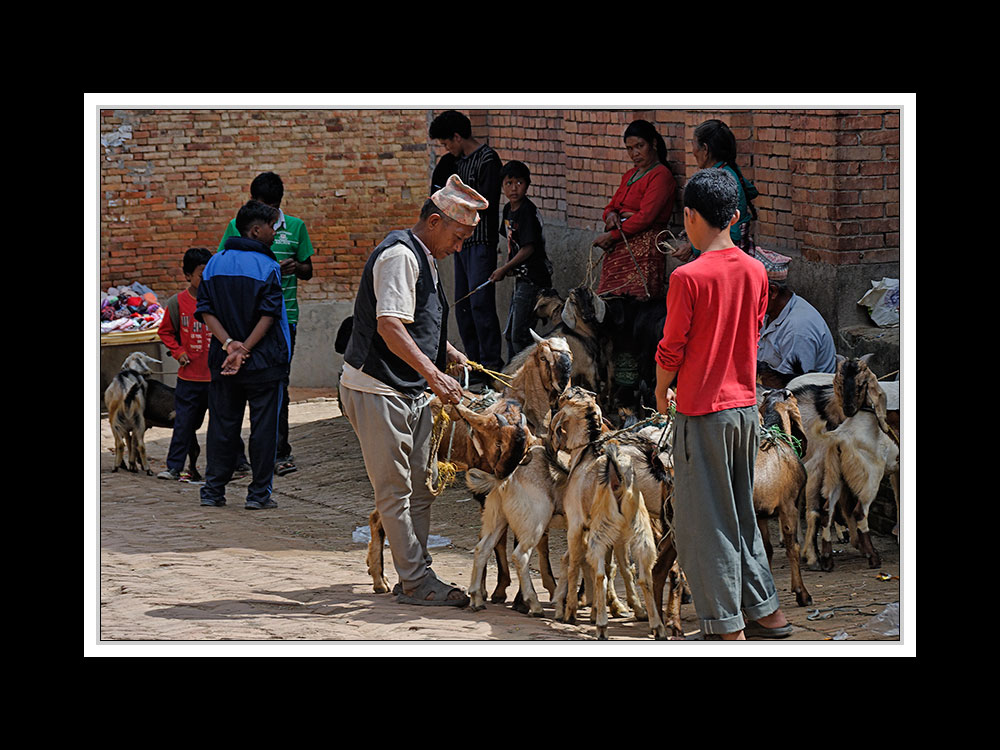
{"points": [[538, 339], [502, 420]]}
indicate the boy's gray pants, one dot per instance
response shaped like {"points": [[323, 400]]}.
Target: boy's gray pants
{"points": [[719, 546], [394, 433]]}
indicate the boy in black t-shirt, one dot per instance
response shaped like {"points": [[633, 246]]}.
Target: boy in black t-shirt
{"points": [[526, 258]]}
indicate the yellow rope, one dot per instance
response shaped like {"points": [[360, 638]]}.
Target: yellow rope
{"points": [[446, 470], [499, 376]]}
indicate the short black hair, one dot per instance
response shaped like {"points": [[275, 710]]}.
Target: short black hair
{"points": [[517, 169], [194, 257], [254, 212], [714, 194], [446, 124], [268, 188]]}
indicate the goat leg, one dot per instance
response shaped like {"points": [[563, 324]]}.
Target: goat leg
{"points": [[666, 555], [375, 559], [615, 606], [865, 538], [499, 595], [597, 559], [493, 529], [628, 571], [678, 585], [788, 515], [545, 565], [522, 556]]}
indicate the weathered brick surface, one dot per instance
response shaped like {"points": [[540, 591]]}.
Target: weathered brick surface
{"points": [[170, 179], [182, 175]]}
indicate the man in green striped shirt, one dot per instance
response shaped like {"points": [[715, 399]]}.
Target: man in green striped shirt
{"points": [[293, 250]]}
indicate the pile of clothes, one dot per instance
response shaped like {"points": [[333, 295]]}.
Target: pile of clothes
{"points": [[134, 307]]}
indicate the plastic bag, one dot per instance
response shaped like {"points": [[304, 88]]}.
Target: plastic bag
{"points": [[882, 301], [886, 622]]}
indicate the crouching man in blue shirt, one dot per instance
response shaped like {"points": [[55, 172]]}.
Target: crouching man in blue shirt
{"points": [[241, 302]]}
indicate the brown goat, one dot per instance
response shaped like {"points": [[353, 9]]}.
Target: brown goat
{"points": [[494, 440], [780, 481]]}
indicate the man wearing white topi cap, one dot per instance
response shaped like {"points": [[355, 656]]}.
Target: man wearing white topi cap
{"points": [[399, 347]]}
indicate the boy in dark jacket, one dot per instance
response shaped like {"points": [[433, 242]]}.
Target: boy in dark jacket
{"points": [[526, 259], [241, 302]]}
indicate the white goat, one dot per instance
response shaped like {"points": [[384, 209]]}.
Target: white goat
{"points": [[525, 501], [604, 508], [849, 447], [849, 471]]}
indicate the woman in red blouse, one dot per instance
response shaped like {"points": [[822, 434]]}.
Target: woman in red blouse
{"points": [[638, 211]]}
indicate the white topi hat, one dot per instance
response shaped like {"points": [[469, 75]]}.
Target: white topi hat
{"points": [[460, 202]]}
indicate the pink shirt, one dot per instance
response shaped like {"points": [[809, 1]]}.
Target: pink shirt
{"points": [[715, 310]]}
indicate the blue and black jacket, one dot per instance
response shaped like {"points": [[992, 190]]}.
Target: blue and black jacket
{"points": [[241, 284]]}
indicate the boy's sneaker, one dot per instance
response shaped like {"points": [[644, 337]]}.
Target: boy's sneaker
{"points": [[169, 474], [213, 503], [260, 504]]}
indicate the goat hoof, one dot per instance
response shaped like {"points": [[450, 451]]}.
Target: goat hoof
{"points": [[803, 600], [498, 597], [602, 633], [826, 564], [477, 607], [660, 634]]}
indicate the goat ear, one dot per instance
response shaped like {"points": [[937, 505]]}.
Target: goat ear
{"points": [[476, 443], [614, 478], [600, 308], [569, 315]]}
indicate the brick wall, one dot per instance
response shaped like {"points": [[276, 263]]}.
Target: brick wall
{"points": [[171, 179], [829, 180]]}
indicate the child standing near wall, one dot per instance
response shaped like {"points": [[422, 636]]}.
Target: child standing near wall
{"points": [[526, 258], [187, 341]]}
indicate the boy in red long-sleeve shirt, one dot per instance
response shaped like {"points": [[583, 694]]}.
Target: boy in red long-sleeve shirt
{"points": [[187, 340], [715, 309]]}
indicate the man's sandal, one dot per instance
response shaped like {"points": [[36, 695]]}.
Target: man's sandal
{"points": [[285, 466], [433, 593]]}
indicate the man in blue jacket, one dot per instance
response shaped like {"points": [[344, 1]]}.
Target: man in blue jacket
{"points": [[241, 302]]}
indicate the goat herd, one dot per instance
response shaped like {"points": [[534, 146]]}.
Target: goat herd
{"points": [[541, 454]]}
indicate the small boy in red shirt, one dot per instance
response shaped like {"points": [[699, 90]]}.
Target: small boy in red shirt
{"points": [[187, 340], [715, 309]]}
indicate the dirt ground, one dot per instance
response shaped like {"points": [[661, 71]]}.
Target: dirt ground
{"points": [[173, 573]]}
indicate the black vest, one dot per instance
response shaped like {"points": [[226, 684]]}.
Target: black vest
{"points": [[367, 351]]}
